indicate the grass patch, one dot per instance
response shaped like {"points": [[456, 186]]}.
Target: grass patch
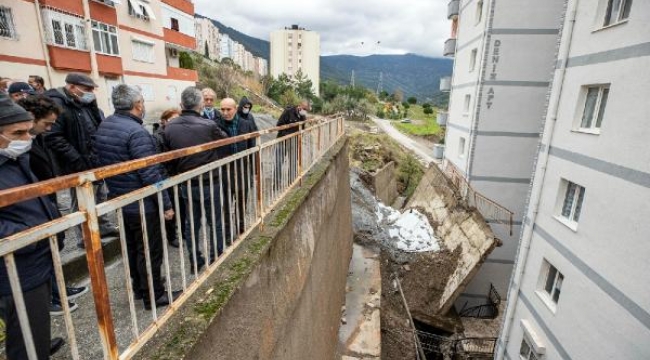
{"points": [[422, 125]]}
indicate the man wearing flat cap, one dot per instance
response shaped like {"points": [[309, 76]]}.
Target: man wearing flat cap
{"points": [[33, 262], [19, 90], [71, 135]]}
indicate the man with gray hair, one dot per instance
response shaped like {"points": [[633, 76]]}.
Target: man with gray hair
{"points": [[119, 138], [190, 129]]}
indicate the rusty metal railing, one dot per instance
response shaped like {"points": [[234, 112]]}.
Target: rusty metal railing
{"points": [[488, 208], [226, 200]]}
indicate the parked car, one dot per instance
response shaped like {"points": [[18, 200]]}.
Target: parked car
{"points": [[406, 120]]}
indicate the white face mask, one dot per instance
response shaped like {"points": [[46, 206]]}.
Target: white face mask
{"points": [[302, 112], [87, 97], [16, 148], [245, 110]]}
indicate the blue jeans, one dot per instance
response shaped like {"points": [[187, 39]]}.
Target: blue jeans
{"points": [[197, 213]]}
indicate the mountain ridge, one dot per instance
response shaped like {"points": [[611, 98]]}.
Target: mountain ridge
{"points": [[415, 75]]}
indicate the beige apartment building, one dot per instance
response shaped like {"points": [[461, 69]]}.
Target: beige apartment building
{"points": [[136, 42], [208, 35], [296, 48]]}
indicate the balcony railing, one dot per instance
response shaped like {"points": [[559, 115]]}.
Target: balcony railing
{"points": [[246, 186], [450, 47], [441, 118], [452, 8], [445, 83]]}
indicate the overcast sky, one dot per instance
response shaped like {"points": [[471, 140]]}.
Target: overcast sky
{"points": [[413, 26]]}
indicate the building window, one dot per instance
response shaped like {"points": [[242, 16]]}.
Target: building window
{"points": [[468, 100], [7, 28], [461, 147], [143, 51], [551, 284], [105, 38], [595, 102], [140, 9], [572, 203], [526, 351], [479, 11], [65, 30], [617, 11], [472, 59], [174, 25]]}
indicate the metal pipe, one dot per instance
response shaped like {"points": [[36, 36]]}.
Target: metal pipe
{"points": [[41, 33]]}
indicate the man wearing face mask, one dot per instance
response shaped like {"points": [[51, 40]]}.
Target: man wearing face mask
{"points": [[33, 262], [209, 111], [244, 110], [70, 137], [291, 115]]}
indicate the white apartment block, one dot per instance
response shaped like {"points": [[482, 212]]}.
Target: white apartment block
{"points": [[261, 66], [135, 42], [580, 284], [207, 32], [296, 48], [227, 47], [504, 56]]}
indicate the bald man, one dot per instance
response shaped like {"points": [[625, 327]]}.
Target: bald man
{"points": [[241, 171]]}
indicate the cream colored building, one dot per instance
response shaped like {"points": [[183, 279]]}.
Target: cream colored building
{"points": [[296, 48], [207, 32], [134, 41], [580, 283]]}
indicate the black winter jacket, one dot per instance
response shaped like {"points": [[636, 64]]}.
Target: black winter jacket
{"points": [[289, 116], [34, 262], [71, 135], [119, 138], [190, 129], [244, 101]]}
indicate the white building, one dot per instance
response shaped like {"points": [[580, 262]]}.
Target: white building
{"points": [[261, 66], [296, 48], [227, 48], [580, 285], [504, 56], [207, 32]]}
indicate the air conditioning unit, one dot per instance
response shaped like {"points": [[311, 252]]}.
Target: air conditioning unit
{"points": [[173, 52]]}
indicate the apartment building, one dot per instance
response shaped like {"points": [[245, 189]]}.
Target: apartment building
{"points": [[207, 34], [296, 48], [135, 42], [579, 289], [504, 54]]}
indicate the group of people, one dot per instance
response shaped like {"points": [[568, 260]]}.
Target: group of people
{"points": [[47, 133]]}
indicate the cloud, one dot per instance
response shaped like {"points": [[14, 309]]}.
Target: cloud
{"points": [[345, 26]]}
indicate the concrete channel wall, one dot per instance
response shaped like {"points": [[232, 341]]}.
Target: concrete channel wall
{"points": [[385, 184], [288, 289]]}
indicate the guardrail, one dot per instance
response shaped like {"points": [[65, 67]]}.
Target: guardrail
{"points": [[490, 209], [234, 195]]}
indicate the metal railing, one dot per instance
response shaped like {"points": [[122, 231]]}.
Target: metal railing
{"points": [[490, 209], [234, 195], [476, 346]]}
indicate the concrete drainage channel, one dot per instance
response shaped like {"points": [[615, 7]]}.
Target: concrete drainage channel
{"points": [[419, 257]]}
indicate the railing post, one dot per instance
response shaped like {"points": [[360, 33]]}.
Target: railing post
{"points": [[95, 258], [300, 130], [260, 190]]}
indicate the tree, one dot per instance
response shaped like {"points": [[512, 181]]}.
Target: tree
{"points": [[412, 100], [427, 110], [383, 95], [288, 98], [224, 81], [185, 61], [398, 95], [303, 86], [206, 50], [364, 107]]}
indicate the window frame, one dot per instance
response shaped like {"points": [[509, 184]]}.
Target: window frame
{"points": [[472, 59], [152, 58], [622, 14], [174, 21], [571, 196], [531, 353], [592, 123], [478, 16], [71, 30], [467, 104], [113, 38], [550, 297], [11, 25], [462, 143]]}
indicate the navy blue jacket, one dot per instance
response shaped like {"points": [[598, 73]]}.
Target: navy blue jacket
{"points": [[119, 138], [237, 126], [34, 262]]}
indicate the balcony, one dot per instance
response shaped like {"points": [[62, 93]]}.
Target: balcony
{"points": [[450, 47], [182, 74], [445, 84], [452, 8], [441, 117], [178, 38], [69, 59]]}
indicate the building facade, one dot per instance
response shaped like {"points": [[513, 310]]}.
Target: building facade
{"points": [[135, 42], [579, 289], [504, 56], [207, 32], [296, 48]]}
